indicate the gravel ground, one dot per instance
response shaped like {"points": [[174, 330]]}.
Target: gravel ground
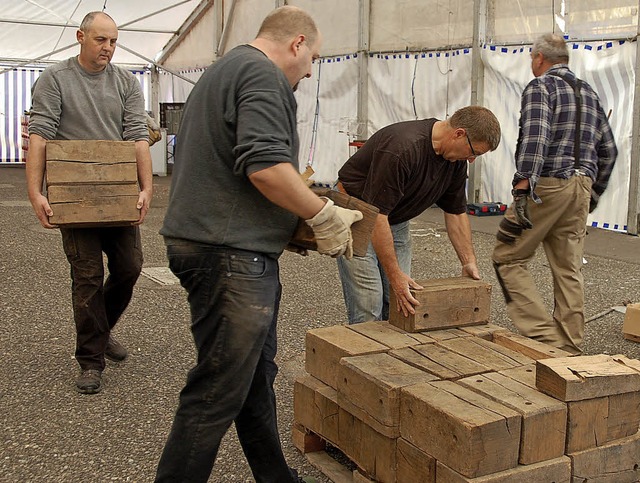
{"points": [[50, 433]]}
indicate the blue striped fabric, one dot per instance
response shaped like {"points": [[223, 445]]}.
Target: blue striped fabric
{"points": [[15, 99]]}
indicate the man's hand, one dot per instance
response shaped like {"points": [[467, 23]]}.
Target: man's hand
{"points": [[521, 208], [43, 210], [332, 229], [144, 203], [155, 134], [593, 202], [401, 284], [471, 270]]}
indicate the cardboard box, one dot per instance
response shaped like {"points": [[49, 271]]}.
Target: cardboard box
{"points": [[92, 183], [631, 325], [360, 230]]}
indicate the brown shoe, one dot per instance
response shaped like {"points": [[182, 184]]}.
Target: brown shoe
{"points": [[115, 350], [89, 381]]}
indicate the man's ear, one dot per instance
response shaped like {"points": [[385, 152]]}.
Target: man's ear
{"points": [[297, 43], [80, 36]]}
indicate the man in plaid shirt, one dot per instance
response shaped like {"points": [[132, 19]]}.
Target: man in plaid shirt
{"points": [[563, 163]]}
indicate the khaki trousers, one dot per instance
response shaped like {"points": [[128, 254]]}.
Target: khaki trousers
{"points": [[559, 224]]}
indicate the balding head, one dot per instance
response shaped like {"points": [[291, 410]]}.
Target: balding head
{"points": [[286, 22]]}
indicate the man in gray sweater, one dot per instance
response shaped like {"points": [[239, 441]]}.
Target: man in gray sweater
{"points": [[86, 97]]}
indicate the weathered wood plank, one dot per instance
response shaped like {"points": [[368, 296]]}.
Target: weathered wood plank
{"points": [[529, 347], [491, 355], [585, 377], [91, 151], [439, 361], [552, 471], [594, 422], [614, 462], [444, 303], [315, 406], [414, 465], [327, 345], [113, 210], [384, 333], [369, 388], [466, 431], [544, 419]]}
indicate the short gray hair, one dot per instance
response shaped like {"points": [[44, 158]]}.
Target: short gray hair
{"points": [[552, 47]]}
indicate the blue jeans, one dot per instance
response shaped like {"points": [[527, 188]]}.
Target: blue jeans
{"points": [[364, 284], [234, 298], [97, 305]]}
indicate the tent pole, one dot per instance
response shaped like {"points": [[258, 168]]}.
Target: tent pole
{"points": [[633, 216], [474, 190], [364, 23], [225, 32]]}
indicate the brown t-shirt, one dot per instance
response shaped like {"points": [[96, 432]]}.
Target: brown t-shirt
{"points": [[398, 171]]}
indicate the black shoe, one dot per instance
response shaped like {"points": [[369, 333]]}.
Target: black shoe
{"points": [[115, 350], [89, 381]]}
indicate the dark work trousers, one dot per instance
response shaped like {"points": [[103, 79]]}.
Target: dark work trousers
{"points": [[98, 304], [234, 296]]}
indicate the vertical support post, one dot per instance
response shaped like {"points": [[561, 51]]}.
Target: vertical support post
{"points": [[218, 26], [155, 93], [477, 90], [633, 212], [363, 68]]}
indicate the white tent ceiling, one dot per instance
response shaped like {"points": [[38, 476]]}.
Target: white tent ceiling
{"points": [[44, 30]]}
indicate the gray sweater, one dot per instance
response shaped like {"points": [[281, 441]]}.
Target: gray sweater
{"points": [[70, 103], [239, 118]]}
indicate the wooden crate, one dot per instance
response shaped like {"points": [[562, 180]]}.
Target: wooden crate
{"points": [[529, 347], [92, 183], [315, 406], [390, 335], [444, 303], [361, 230], [493, 356]]}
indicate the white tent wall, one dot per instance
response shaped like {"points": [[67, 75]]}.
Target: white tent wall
{"points": [[434, 70]]}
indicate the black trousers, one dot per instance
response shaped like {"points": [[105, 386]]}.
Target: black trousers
{"points": [[98, 304]]}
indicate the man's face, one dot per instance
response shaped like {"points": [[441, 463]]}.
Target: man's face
{"points": [[97, 44], [305, 55], [460, 147]]}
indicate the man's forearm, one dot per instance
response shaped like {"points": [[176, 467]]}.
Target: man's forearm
{"points": [[282, 184], [459, 231], [35, 166], [382, 241], [144, 166]]}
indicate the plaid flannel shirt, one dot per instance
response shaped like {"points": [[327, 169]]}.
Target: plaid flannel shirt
{"points": [[547, 132]]}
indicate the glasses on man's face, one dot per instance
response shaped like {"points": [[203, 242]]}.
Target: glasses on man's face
{"points": [[473, 151]]}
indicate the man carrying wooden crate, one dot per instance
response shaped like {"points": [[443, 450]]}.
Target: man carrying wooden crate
{"points": [[88, 98], [403, 169]]}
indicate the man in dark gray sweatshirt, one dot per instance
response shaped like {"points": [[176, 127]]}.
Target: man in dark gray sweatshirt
{"points": [[236, 197], [86, 97]]}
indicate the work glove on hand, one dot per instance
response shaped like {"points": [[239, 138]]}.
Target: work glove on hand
{"points": [[332, 229], [155, 134], [520, 208]]}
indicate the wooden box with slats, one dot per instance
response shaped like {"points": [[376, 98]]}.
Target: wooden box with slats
{"points": [[92, 183]]}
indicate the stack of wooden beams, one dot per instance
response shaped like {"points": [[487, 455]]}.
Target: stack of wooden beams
{"points": [[463, 401]]}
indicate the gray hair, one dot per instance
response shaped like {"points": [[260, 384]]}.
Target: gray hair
{"points": [[552, 47]]}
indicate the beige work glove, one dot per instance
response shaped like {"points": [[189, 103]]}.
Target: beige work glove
{"points": [[155, 134], [332, 229]]}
